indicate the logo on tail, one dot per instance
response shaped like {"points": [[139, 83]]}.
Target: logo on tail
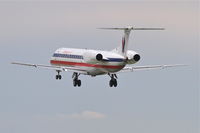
{"points": [[123, 44]]}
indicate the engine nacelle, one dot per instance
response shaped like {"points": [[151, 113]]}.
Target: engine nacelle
{"points": [[99, 57], [132, 57], [92, 56]]}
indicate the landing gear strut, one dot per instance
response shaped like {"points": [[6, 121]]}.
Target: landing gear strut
{"points": [[113, 81], [76, 81], [58, 76]]}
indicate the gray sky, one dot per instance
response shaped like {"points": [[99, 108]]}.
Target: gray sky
{"points": [[155, 101]]}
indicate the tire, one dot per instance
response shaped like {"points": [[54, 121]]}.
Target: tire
{"points": [[60, 77], [111, 83], [57, 77], [74, 83], [79, 83], [115, 83]]}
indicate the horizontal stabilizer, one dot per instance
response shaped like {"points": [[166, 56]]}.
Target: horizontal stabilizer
{"points": [[131, 28], [148, 28]]}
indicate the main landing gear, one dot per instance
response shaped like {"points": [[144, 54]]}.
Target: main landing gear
{"points": [[58, 76], [76, 81], [113, 81]]}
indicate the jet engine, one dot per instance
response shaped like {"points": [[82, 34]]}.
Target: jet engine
{"points": [[99, 57], [93, 56], [132, 57]]}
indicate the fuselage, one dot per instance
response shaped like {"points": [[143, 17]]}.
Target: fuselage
{"points": [[87, 60]]}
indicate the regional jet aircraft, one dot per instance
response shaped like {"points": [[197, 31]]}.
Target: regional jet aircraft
{"points": [[96, 62]]}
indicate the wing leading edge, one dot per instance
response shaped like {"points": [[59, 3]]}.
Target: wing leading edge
{"points": [[57, 68], [149, 67]]}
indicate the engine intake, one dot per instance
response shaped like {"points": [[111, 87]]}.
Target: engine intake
{"points": [[99, 57], [136, 57]]}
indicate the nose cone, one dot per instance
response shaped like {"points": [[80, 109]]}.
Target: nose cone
{"points": [[136, 57]]}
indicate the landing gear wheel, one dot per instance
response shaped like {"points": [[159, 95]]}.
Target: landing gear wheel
{"points": [[58, 76], [74, 83], [79, 83], [113, 81]]}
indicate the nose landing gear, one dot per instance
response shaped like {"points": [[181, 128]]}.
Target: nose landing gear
{"points": [[58, 76], [113, 81]]}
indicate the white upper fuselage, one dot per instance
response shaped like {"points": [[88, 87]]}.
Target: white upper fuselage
{"points": [[85, 59]]}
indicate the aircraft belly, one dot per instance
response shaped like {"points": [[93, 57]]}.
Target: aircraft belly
{"points": [[100, 71]]}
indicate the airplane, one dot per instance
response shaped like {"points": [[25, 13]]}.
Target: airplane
{"points": [[98, 62]]}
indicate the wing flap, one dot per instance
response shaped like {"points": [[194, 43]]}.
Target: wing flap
{"points": [[149, 67]]}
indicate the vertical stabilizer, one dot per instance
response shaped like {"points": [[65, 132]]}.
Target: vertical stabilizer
{"points": [[122, 49]]}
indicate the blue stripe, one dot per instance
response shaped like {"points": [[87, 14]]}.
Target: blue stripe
{"points": [[115, 59], [81, 57], [68, 56]]}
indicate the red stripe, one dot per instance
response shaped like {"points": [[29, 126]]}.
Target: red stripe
{"points": [[83, 64]]}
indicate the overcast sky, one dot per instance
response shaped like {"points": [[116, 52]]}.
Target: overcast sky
{"points": [[156, 101]]}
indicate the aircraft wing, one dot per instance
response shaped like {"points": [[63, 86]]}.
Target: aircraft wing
{"points": [[149, 67], [58, 68]]}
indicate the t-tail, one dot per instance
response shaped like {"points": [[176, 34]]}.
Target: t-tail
{"points": [[122, 49]]}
